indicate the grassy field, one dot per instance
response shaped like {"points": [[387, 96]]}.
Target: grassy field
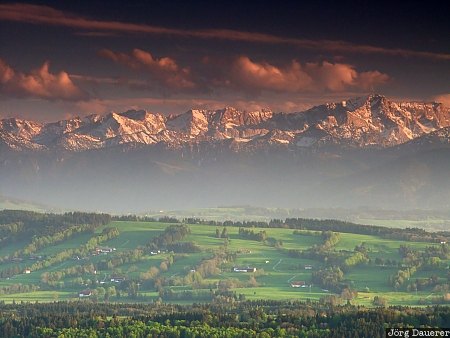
{"points": [[275, 268]]}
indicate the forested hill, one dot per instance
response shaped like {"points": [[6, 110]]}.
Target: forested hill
{"points": [[244, 319]]}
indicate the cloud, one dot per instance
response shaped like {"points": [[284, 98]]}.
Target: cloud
{"points": [[115, 81], [38, 83], [164, 70], [6, 72], [238, 76], [367, 80], [263, 75], [311, 77], [36, 14]]}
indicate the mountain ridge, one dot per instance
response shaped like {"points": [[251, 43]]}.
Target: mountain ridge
{"points": [[369, 121]]}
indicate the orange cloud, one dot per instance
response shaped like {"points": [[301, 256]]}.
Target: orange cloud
{"points": [[38, 83], [266, 76], [367, 80], [36, 14], [164, 70], [333, 77], [312, 77], [6, 72]]}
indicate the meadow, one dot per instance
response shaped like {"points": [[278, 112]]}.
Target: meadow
{"points": [[275, 268]]}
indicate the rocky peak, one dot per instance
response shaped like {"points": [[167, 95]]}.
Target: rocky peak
{"points": [[194, 122], [236, 117], [20, 128]]}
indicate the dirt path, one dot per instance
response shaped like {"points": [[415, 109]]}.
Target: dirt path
{"points": [[275, 266]]}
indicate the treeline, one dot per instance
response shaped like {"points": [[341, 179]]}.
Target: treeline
{"points": [[18, 288], [51, 278], [120, 258], [218, 295], [107, 234], [329, 278], [322, 252], [135, 218], [259, 236], [183, 247], [44, 228], [197, 295], [40, 242], [29, 223], [262, 318], [355, 259], [410, 234], [172, 234]]}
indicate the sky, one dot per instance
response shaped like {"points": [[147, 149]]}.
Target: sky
{"points": [[74, 58]]}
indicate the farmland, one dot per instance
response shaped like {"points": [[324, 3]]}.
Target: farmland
{"points": [[152, 269]]}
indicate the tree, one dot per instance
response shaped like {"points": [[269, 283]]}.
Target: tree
{"points": [[348, 294], [101, 292], [252, 283], [163, 266], [224, 233], [110, 292], [379, 301]]}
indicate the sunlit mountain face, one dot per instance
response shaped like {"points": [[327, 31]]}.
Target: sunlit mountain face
{"points": [[365, 122], [137, 106]]}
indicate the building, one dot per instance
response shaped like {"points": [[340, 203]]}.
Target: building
{"points": [[308, 267], [104, 250], [117, 279], [298, 284], [27, 271], [85, 293], [247, 269]]}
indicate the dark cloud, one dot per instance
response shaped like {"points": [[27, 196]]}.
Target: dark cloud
{"points": [[45, 15]]}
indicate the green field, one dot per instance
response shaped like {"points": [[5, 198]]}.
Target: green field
{"points": [[275, 268]]}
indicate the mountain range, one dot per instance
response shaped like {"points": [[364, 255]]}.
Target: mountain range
{"points": [[371, 121], [362, 151]]}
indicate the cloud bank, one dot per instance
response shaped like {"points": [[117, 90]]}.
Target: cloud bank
{"points": [[311, 77]]}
